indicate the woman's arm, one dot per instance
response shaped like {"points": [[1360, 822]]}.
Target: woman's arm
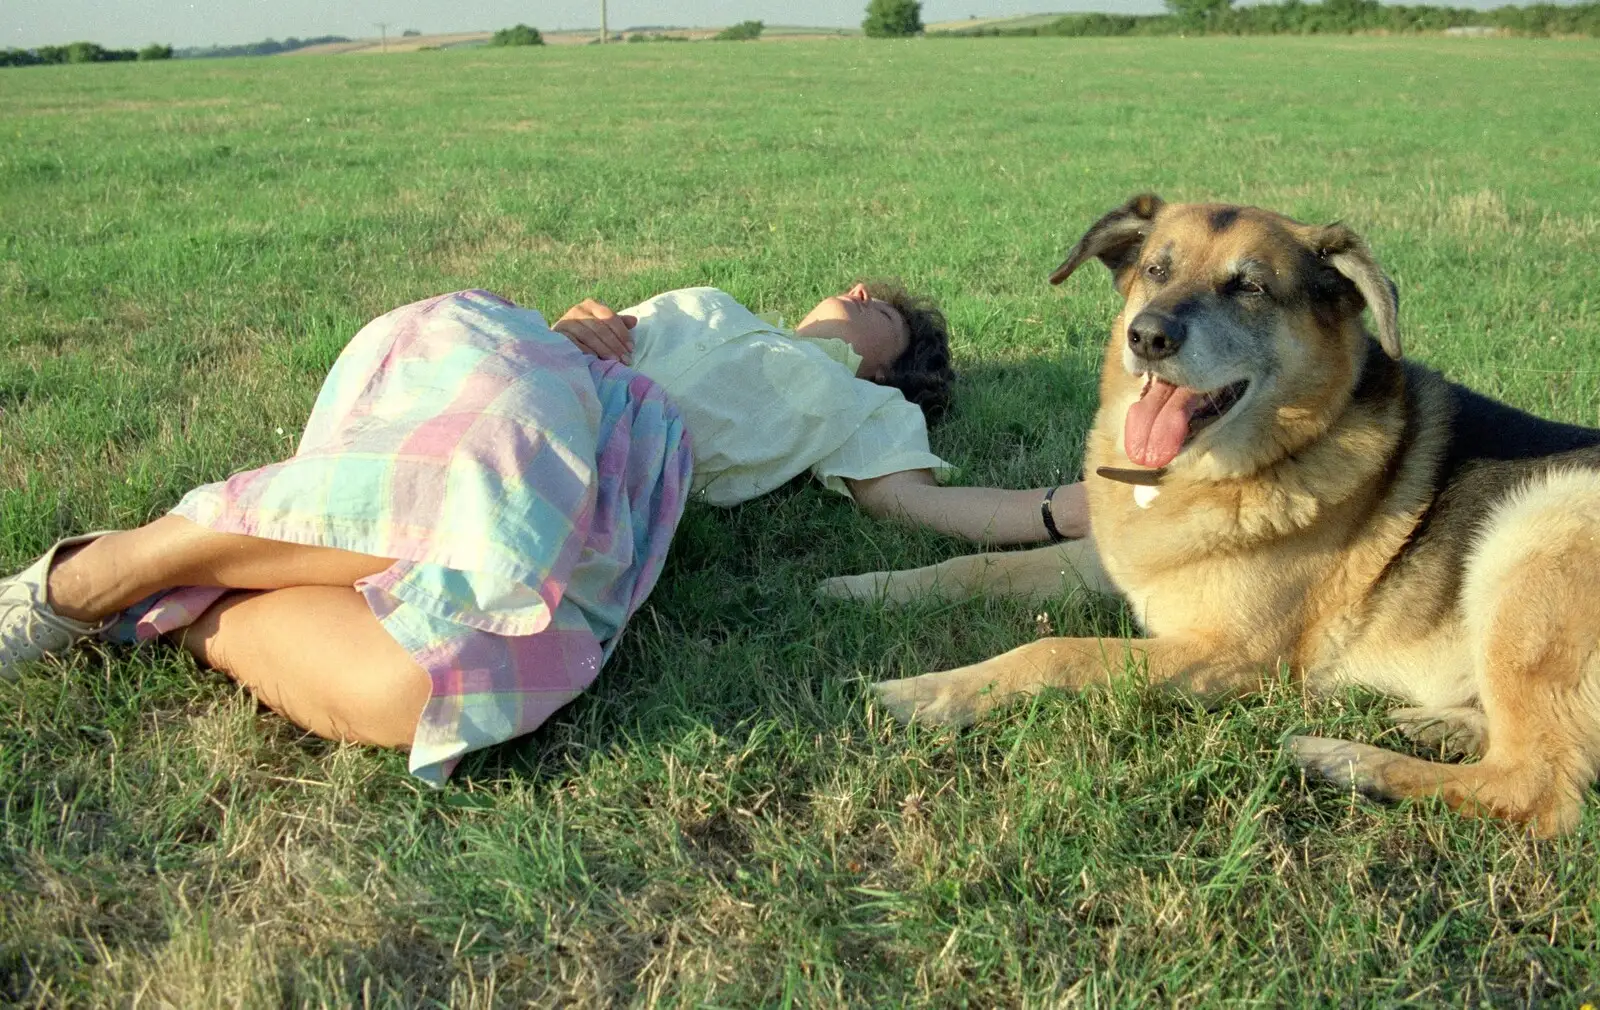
{"points": [[985, 514]]}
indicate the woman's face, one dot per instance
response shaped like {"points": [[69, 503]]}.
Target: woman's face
{"points": [[874, 328]]}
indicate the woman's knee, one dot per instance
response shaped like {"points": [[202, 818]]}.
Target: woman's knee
{"points": [[384, 706]]}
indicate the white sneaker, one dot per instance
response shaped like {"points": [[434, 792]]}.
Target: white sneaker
{"points": [[29, 629]]}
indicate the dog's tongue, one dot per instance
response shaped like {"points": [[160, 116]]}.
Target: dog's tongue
{"points": [[1157, 424]]}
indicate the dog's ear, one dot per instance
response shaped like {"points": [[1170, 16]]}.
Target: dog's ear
{"points": [[1343, 250], [1116, 238]]}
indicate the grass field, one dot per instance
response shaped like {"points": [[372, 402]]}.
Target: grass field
{"points": [[725, 820]]}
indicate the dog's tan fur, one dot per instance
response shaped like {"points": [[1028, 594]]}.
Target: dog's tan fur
{"points": [[1315, 525]]}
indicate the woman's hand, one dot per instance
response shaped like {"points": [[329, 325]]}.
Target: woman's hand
{"points": [[598, 330]]}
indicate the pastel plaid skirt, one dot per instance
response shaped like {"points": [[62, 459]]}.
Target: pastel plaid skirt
{"points": [[527, 491]]}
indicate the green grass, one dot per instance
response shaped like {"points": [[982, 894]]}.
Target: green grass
{"points": [[724, 820]]}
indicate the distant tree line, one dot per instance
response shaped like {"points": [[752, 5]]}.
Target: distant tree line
{"points": [[81, 52], [1331, 17], [266, 47], [89, 52]]}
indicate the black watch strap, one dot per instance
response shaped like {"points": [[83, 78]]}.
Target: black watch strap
{"points": [[1048, 516]]}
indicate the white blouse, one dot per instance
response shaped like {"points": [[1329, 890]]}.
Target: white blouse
{"points": [[763, 405]]}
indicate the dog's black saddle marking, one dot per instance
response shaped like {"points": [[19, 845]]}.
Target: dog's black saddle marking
{"points": [[1484, 429], [1493, 450]]}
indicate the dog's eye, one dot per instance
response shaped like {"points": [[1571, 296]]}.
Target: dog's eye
{"points": [[1156, 272], [1246, 286]]}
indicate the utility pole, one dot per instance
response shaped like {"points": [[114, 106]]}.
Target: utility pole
{"points": [[383, 26], [603, 37]]}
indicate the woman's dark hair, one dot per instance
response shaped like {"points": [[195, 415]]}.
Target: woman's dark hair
{"points": [[922, 372]]}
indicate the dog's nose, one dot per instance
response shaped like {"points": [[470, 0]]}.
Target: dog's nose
{"points": [[1155, 335]]}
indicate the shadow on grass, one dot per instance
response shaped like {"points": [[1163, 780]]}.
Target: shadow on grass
{"points": [[733, 634]]}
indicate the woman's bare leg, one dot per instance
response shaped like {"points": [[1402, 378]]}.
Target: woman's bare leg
{"points": [[318, 656], [303, 640], [120, 569]]}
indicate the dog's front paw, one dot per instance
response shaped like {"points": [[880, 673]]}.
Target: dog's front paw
{"points": [[938, 698], [866, 587]]}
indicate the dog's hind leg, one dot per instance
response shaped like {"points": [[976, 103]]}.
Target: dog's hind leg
{"points": [[1531, 607], [1543, 794], [1459, 729]]}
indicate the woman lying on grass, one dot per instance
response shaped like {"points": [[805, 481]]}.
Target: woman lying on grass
{"points": [[480, 502]]}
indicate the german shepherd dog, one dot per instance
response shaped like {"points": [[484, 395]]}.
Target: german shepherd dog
{"points": [[1269, 484]]}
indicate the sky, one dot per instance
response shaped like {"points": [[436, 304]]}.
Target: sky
{"points": [[133, 23]]}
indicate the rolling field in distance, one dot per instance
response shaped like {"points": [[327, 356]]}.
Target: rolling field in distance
{"points": [[724, 820]]}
